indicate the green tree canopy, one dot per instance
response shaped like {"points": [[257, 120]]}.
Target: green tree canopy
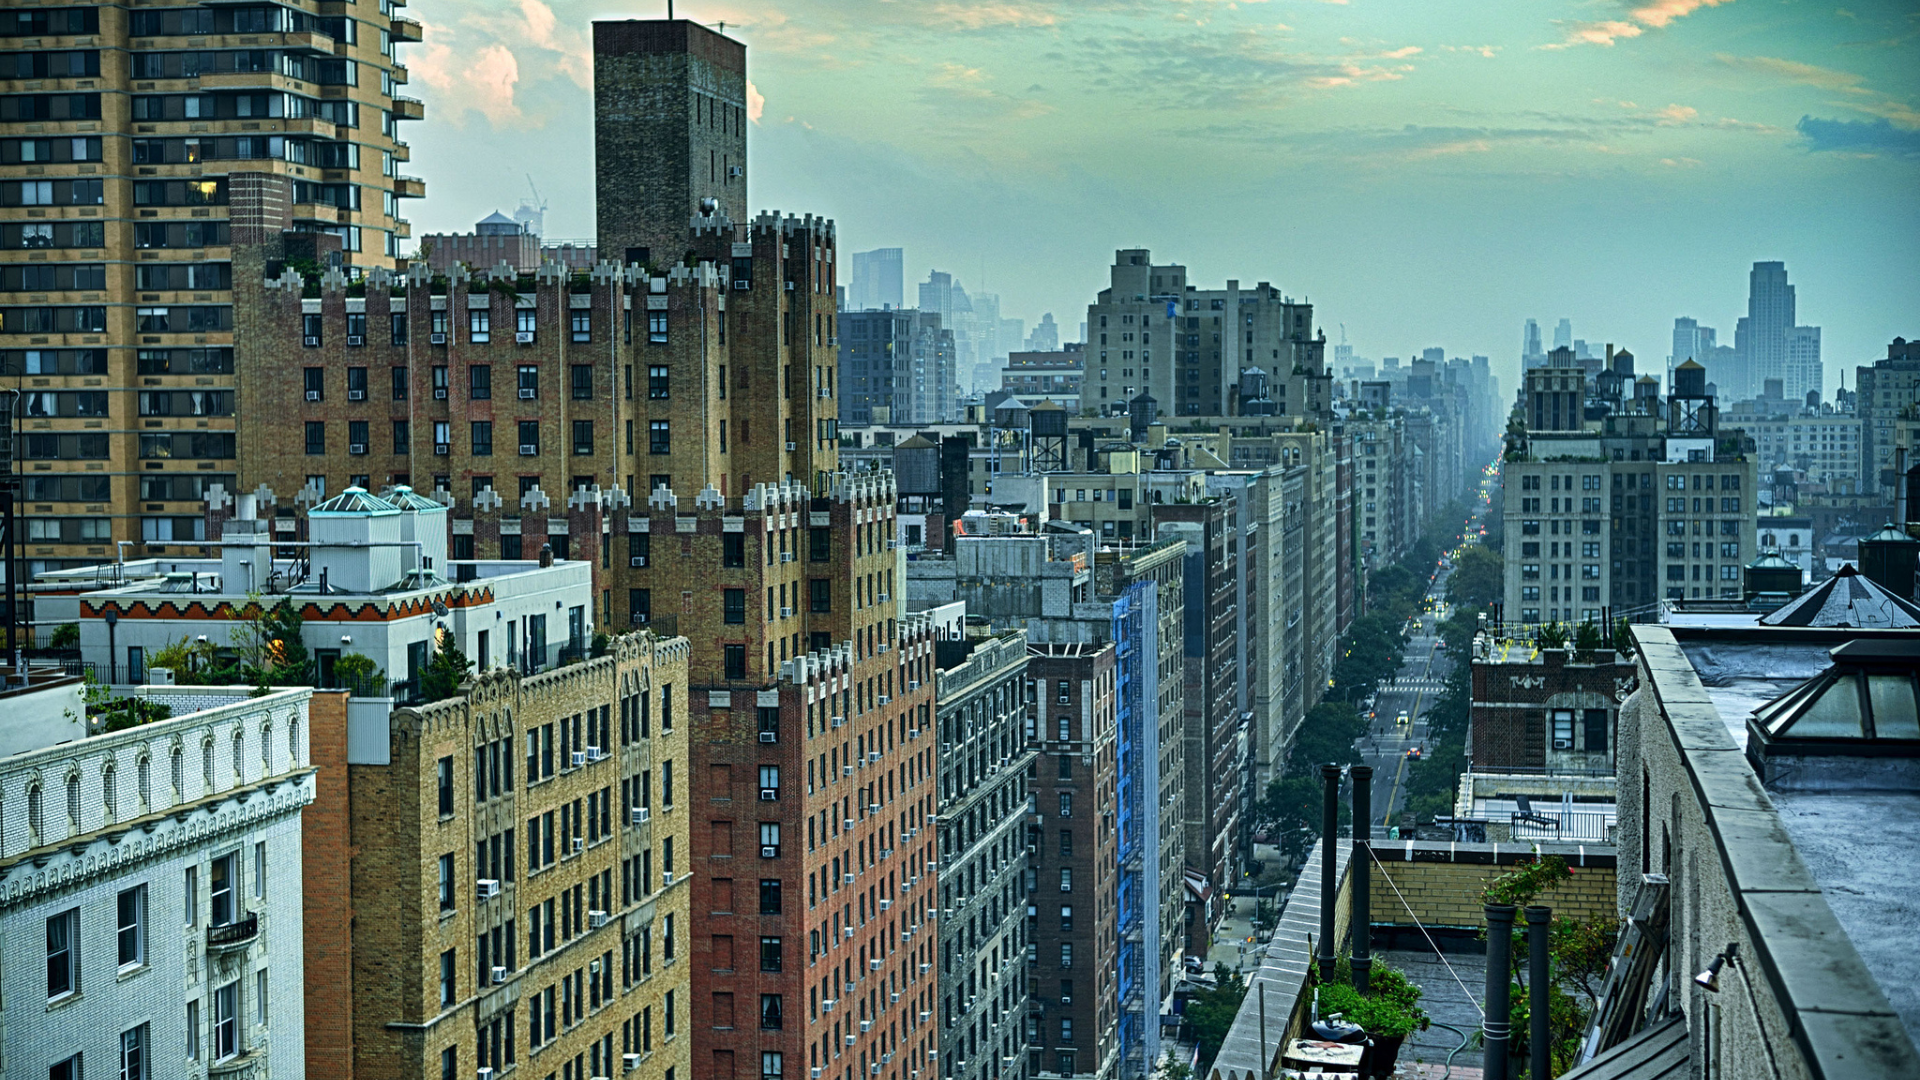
{"points": [[1476, 580]]}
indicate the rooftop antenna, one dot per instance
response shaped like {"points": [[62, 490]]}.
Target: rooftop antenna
{"points": [[669, 9], [1343, 333]]}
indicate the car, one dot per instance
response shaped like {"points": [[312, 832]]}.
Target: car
{"points": [[1413, 752], [1402, 719]]}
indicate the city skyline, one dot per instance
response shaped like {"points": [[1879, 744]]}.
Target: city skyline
{"points": [[1666, 146]]}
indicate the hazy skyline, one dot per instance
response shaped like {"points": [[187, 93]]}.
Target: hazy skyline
{"points": [[1426, 173]]}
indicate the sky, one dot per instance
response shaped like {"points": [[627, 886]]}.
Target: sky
{"points": [[1426, 172]]}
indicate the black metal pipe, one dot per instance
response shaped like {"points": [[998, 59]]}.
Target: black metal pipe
{"points": [[1329, 881], [1361, 868], [1497, 1024], [1539, 920]]}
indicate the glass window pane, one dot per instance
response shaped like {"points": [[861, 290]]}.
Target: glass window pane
{"points": [[1894, 716], [1836, 714]]}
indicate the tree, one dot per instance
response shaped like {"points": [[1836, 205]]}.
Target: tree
{"points": [[444, 673], [1587, 641], [1477, 579], [1551, 636], [1578, 954], [65, 636], [358, 674], [1210, 1013]]}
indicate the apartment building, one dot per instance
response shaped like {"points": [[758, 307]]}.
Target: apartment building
{"points": [[1206, 340], [154, 882], [1073, 1025], [987, 763], [132, 143], [1888, 389], [520, 879], [896, 367]]}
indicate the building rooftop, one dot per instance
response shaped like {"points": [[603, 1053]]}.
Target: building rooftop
{"points": [[1848, 598]]}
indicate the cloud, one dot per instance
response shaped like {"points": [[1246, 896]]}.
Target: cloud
{"points": [[1657, 14], [1674, 115], [756, 102], [1488, 51], [960, 93], [1681, 163], [1217, 71], [984, 16], [1869, 137], [1595, 33], [1794, 71], [481, 80], [1662, 12]]}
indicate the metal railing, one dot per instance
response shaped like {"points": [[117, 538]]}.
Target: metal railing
{"points": [[238, 932]]}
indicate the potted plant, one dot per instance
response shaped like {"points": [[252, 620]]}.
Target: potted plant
{"points": [[1389, 1011]]}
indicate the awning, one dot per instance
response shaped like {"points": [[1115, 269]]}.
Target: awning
{"points": [[1656, 1053]]}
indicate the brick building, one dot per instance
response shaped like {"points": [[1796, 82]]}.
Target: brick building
{"points": [[519, 878], [1550, 710], [151, 134], [1074, 1022], [985, 759]]}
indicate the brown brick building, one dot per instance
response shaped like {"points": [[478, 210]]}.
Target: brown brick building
{"points": [[519, 883], [1549, 710], [1074, 1025], [127, 133]]}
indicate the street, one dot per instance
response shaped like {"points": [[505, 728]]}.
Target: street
{"points": [[1424, 668]]}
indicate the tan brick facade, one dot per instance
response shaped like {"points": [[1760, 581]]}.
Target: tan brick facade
{"points": [[564, 942]]}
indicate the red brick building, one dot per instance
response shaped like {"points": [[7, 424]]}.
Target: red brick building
{"points": [[1551, 710]]}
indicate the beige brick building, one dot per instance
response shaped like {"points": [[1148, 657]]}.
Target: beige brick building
{"points": [[520, 877], [122, 138]]}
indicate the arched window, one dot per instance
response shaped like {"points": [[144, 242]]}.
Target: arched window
{"points": [[144, 777], [266, 748], [206, 766], [73, 801], [239, 754], [109, 790], [177, 772], [293, 743], [36, 814]]}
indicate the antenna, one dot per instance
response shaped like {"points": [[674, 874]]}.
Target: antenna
{"points": [[539, 203], [1343, 333]]}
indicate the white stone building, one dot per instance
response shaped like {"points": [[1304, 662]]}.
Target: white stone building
{"points": [[150, 894]]}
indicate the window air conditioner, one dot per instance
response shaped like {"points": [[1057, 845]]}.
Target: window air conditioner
{"points": [[578, 757], [845, 770], [442, 449], [485, 1073], [579, 845], [867, 1025], [488, 888], [313, 395], [637, 560], [814, 1073], [792, 446], [884, 699], [436, 339], [528, 393], [596, 919], [640, 815], [914, 733], [1563, 744], [848, 823], [826, 1005], [886, 905], [838, 720], [356, 340], [523, 337], [786, 556], [769, 736], [735, 170], [666, 880], [356, 448], [769, 851], [529, 449], [594, 753], [310, 342], [499, 975], [913, 684], [875, 965], [786, 613], [630, 1061], [439, 393], [356, 395], [769, 794]]}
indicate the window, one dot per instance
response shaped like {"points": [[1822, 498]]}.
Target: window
{"points": [[131, 932], [770, 896], [770, 958], [819, 544], [226, 1021], [770, 1061], [446, 978], [657, 327], [1066, 954], [658, 387], [583, 438], [1066, 879], [820, 595], [659, 437], [445, 775], [527, 379], [480, 432], [734, 606], [770, 781], [769, 839], [1066, 804], [133, 1054], [1595, 723], [224, 888], [65, 1069], [480, 382], [446, 878], [582, 322], [317, 438], [1066, 918], [399, 384], [63, 954], [479, 326], [582, 382], [736, 661], [1563, 729]]}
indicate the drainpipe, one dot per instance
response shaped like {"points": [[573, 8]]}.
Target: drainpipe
{"points": [[1499, 982], [1539, 919], [1329, 883], [1361, 869]]}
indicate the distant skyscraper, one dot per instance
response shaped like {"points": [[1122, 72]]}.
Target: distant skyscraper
{"points": [[1563, 334], [1770, 304], [1805, 375], [1532, 352], [879, 280], [1045, 336]]}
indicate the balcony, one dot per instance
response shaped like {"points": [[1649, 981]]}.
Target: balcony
{"points": [[406, 108], [409, 187], [406, 30], [401, 151], [234, 935]]}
